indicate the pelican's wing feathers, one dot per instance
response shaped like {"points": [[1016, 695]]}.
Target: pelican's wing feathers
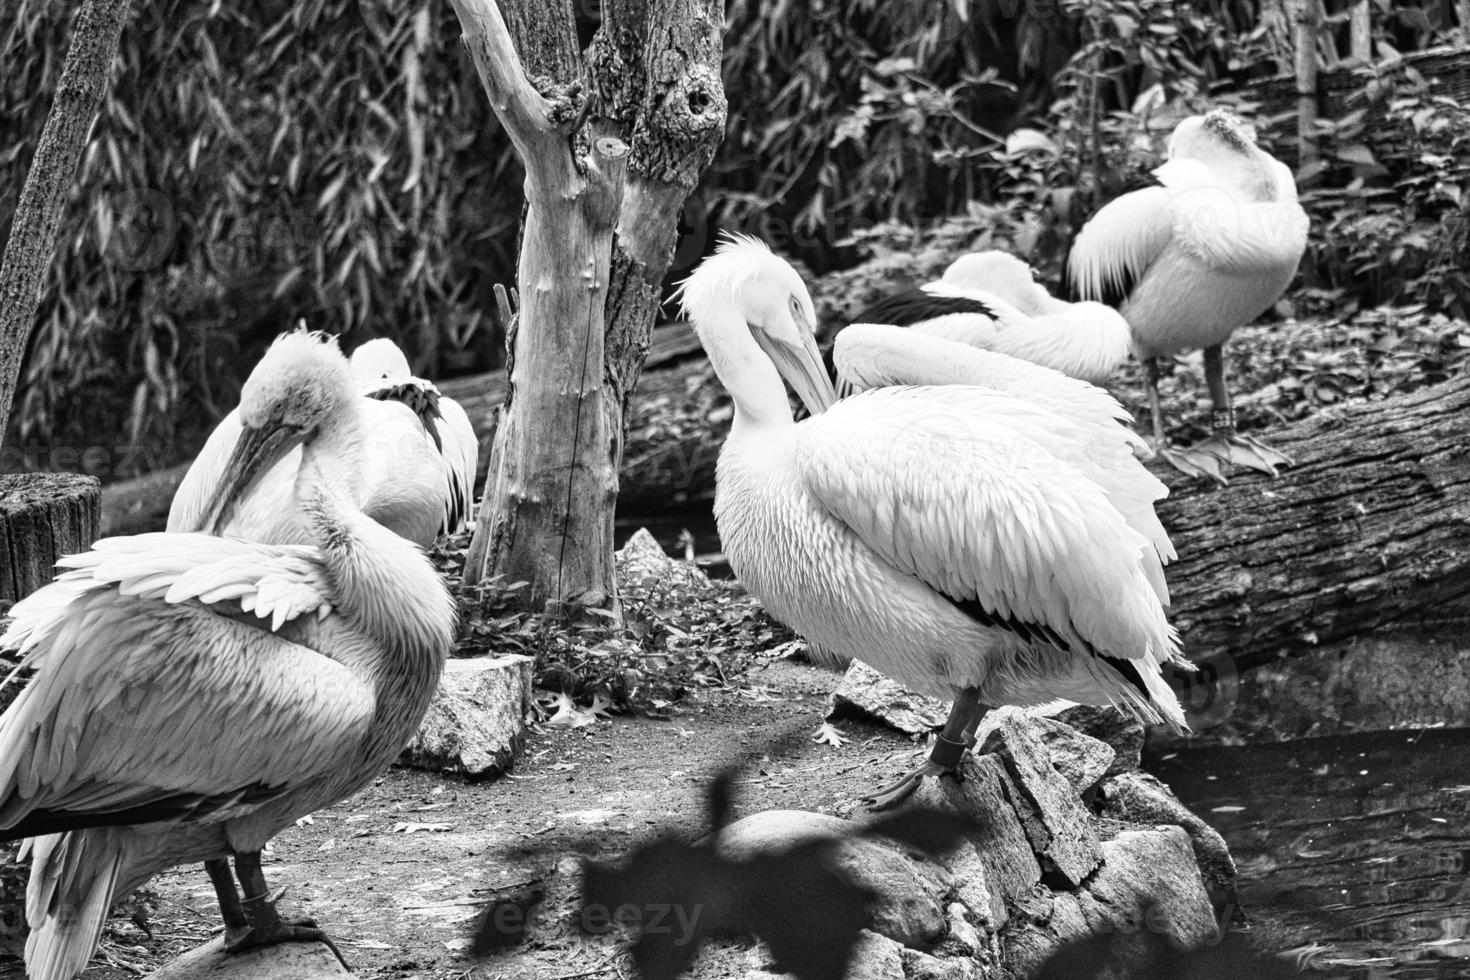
{"points": [[1118, 244], [139, 679], [943, 485]]}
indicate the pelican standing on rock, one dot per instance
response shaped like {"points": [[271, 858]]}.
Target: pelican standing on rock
{"points": [[418, 455], [991, 300], [923, 530], [193, 694], [1189, 261]]}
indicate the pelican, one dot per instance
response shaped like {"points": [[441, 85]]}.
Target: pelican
{"points": [[1081, 423], [991, 300], [418, 462], [196, 694], [925, 530], [1208, 250]]}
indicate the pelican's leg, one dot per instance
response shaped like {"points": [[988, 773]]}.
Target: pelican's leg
{"points": [[1225, 444], [957, 736], [237, 926], [1186, 462], [266, 927]]}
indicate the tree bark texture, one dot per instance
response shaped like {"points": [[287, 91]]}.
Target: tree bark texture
{"points": [[43, 516], [84, 78], [656, 109]]}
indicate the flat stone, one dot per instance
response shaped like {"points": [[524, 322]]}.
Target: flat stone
{"points": [[1059, 827], [875, 957], [923, 966], [286, 961], [866, 693], [1121, 731], [1147, 883], [908, 892], [476, 723], [1081, 759], [999, 843], [1137, 797]]}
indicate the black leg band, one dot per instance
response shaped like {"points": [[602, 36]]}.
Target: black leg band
{"points": [[947, 754], [1223, 420]]}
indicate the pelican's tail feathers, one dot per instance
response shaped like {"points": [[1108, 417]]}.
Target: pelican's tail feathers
{"points": [[73, 877]]}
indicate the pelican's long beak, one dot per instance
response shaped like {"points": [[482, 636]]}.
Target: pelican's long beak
{"points": [[256, 451], [801, 365]]}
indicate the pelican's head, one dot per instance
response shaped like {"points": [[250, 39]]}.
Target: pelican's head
{"points": [[1226, 144], [744, 282], [300, 388], [996, 272], [380, 360]]}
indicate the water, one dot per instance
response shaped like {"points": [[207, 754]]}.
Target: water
{"points": [[1353, 851]]}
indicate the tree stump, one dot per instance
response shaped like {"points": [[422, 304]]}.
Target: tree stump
{"points": [[42, 517]]}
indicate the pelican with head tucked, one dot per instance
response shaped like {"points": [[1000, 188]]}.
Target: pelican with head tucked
{"points": [[991, 300], [1186, 262], [417, 449], [930, 531], [195, 694]]}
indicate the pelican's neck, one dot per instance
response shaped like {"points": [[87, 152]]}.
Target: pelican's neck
{"points": [[381, 582], [745, 370], [337, 450]]}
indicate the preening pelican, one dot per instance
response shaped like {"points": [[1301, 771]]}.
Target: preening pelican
{"points": [[1189, 261], [991, 300], [418, 458], [194, 694], [1079, 422], [928, 531]]}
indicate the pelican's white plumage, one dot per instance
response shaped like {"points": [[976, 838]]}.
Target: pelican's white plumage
{"points": [[920, 529], [1075, 421], [1189, 261], [418, 462], [195, 694], [991, 300]]}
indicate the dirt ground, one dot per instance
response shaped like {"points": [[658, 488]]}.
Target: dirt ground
{"points": [[398, 873]]}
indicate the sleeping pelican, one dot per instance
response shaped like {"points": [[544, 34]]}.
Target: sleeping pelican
{"points": [[1085, 425], [418, 462], [991, 300], [1189, 261], [928, 531], [194, 694]]}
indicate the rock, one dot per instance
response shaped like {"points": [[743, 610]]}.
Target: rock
{"points": [[642, 559], [998, 845], [922, 966], [875, 957], [909, 892], [867, 693], [1122, 732], [1059, 827], [1138, 797], [1147, 880], [1081, 759], [963, 936], [287, 961], [476, 721]]}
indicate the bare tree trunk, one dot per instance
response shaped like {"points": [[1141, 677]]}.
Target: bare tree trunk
{"points": [[84, 79], [1305, 17], [586, 311]]}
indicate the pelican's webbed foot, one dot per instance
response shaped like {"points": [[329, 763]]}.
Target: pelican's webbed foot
{"points": [[944, 759], [257, 923], [1232, 448]]}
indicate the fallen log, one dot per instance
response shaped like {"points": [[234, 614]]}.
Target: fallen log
{"points": [[1370, 527]]}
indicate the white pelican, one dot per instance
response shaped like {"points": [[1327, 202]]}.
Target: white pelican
{"points": [[991, 300], [418, 462], [1189, 261], [194, 694], [924, 530], [1079, 422]]}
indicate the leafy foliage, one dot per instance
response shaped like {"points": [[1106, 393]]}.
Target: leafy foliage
{"points": [[680, 631], [332, 159]]}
